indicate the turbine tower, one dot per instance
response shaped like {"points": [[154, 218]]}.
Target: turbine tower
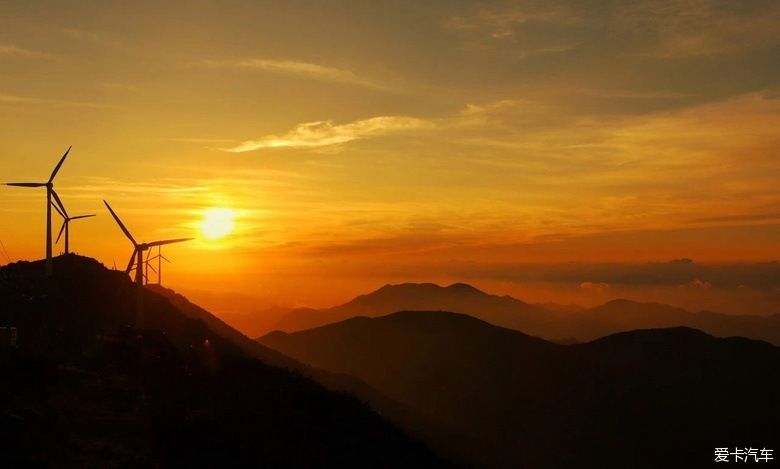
{"points": [[148, 265], [137, 260], [49, 185], [66, 219], [159, 257]]}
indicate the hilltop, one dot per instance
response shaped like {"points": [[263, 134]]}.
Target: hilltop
{"points": [[84, 388], [458, 297]]}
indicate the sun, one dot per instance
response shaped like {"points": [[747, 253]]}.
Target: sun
{"points": [[217, 222]]}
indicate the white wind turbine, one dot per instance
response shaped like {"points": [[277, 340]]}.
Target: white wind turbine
{"points": [[137, 260], [66, 219], [49, 185]]}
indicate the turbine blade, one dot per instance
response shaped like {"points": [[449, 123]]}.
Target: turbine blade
{"points": [[132, 261], [26, 184], [166, 259], [81, 216], [153, 269], [168, 241], [121, 225], [58, 210], [57, 168], [59, 202], [61, 230]]}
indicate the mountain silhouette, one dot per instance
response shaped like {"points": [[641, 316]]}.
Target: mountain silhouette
{"points": [[458, 297], [83, 389], [257, 322], [621, 314], [437, 436], [646, 398], [553, 322]]}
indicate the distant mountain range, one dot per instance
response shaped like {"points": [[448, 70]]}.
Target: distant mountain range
{"points": [[84, 389], [550, 321], [640, 399]]}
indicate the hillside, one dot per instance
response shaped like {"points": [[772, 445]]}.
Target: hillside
{"points": [[662, 394], [553, 322], [438, 437], [85, 389]]}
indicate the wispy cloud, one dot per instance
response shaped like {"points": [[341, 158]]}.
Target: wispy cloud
{"points": [[83, 34], [525, 54], [12, 50], [326, 133], [701, 28], [199, 140], [118, 86], [302, 69], [13, 99], [502, 24]]}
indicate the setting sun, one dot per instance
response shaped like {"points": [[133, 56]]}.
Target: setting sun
{"points": [[217, 222]]}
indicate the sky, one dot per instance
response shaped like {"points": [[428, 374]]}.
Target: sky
{"points": [[352, 144]]}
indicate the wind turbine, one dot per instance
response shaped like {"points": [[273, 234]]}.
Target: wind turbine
{"points": [[49, 185], [137, 259], [66, 219], [148, 265], [160, 257]]}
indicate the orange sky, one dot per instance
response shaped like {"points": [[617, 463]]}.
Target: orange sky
{"points": [[358, 143]]}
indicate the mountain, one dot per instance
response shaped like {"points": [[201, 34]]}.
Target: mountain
{"points": [[255, 323], [621, 314], [438, 437], [560, 323], [84, 389], [458, 297], [647, 398]]}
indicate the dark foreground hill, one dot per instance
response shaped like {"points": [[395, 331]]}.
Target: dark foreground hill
{"points": [[82, 389], [550, 321], [648, 398]]}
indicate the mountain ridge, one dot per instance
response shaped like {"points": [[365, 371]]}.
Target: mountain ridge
{"points": [[529, 402], [553, 322]]}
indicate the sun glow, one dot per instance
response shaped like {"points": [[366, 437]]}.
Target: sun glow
{"points": [[217, 222]]}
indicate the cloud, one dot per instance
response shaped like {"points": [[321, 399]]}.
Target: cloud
{"points": [[594, 286], [547, 50], [117, 86], [502, 24], [199, 140], [676, 30], [11, 50], [701, 28], [685, 272], [13, 99], [326, 133], [301, 69], [748, 218], [702, 284], [84, 34]]}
